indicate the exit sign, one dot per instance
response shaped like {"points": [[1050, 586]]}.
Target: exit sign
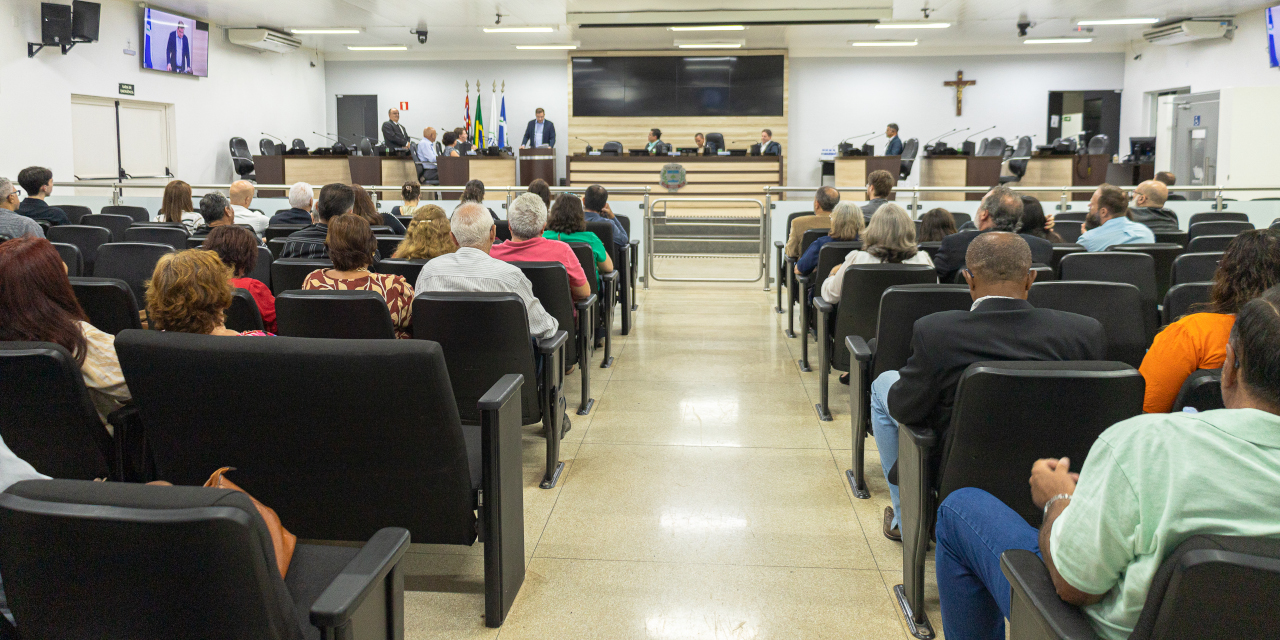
{"points": [[404, 106], [126, 89]]}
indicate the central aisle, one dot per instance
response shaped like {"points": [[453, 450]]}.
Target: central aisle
{"points": [[702, 498]]}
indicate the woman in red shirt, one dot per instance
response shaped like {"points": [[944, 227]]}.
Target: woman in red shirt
{"points": [[238, 249]]}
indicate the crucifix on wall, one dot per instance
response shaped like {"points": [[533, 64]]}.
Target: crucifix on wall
{"points": [[959, 83]]}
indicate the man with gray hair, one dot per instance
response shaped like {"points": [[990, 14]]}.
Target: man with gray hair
{"points": [[13, 225], [1000, 210], [302, 197], [242, 192], [472, 269], [216, 211], [528, 218]]}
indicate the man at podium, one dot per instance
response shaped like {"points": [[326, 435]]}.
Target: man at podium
{"points": [[540, 132]]}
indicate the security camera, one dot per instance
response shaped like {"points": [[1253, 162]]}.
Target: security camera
{"points": [[422, 35], [1022, 28]]}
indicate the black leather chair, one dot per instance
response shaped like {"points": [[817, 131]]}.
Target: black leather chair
{"points": [[1210, 588], [1217, 216], [1137, 269], [611, 148], [280, 231], [502, 230], [1162, 255], [137, 214], [1099, 144], [900, 307], [262, 267], [365, 147], [187, 562], [115, 223], [387, 245], [276, 246], [808, 286], [1202, 244], [1056, 424], [1180, 298], [408, 269], [931, 247], [86, 238], [1044, 272], [1196, 267], [485, 336], [46, 416], [241, 159], [633, 259], [622, 264], [1018, 162], [909, 150], [70, 254], [267, 147], [550, 283], [288, 274], [1217, 228], [784, 277], [858, 314], [243, 314], [961, 218], [298, 147], [1171, 237], [349, 315], [1061, 251], [75, 212], [176, 238], [604, 287], [1118, 306], [715, 140], [388, 451], [1202, 391], [109, 303], [133, 262], [381, 230], [1068, 230]]}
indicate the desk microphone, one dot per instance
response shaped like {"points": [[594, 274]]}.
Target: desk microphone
{"points": [[857, 136], [977, 132], [271, 136], [327, 137], [932, 140], [589, 148], [955, 132]]}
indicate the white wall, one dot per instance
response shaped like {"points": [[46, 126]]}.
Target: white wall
{"points": [[245, 94], [832, 98], [435, 92]]}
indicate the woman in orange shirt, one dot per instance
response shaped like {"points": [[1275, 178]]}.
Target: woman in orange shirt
{"points": [[1250, 266]]}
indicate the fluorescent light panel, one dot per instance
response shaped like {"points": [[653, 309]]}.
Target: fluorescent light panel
{"points": [[518, 30], [712, 45], [547, 46], [722, 27], [884, 43], [913, 25], [1057, 40], [321, 31], [1087, 23], [390, 47]]}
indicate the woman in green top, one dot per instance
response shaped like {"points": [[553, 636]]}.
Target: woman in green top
{"points": [[565, 223]]}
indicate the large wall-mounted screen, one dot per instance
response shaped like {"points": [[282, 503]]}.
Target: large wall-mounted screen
{"points": [[1273, 33], [174, 43], [651, 86]]}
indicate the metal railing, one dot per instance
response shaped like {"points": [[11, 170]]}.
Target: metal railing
{"points": [[762, 237]]}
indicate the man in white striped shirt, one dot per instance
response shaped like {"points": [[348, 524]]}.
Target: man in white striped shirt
{"points": [[470, 269]]}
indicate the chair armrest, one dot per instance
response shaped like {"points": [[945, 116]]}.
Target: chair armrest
{"points": [[778, 243], [502, 495], [585, 303], [819, 302], [635, 242], [340, 600], [131, 463], [1035, 610], [611, 276], [549, 345], [858, 348], [920, 437], [504, 389]]}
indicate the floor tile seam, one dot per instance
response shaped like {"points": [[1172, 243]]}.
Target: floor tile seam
{"points": [[856, 516], [710, 446], [705, 564]]}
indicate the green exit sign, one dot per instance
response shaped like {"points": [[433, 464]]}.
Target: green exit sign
{"points": [[126, 89]]}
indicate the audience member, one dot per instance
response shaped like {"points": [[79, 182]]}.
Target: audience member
{"points": [[37, 304], [566, 223], [428, 235], [1107, 209], [541, 189], [308, 242], [1148, 484], [1000, 210], [1148, 207], [176, 206], [471, 268], [241, 197], [1250, 266], [410, 192], [238, 249], [1167, 179], [1034, 223], [879, 186], [846, 225], [528, 218], [216, 211], [13, 225], [595, 208], [1001, 325], [936, 224], [190, 292], [364, 207], [38, 183], [473, 191], [352, 248], [824, 201], [302, 200], [890, 238]]}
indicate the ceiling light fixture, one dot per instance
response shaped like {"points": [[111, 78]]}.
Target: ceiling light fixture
{"points": [[1057, 40], [722, 27], [325, 31], [518, 29], [388, 47], [913, 25], [884, 43], [1087, 23], [711, 45], [549, 47]]}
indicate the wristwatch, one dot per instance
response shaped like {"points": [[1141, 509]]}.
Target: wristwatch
{"points": [[1054, 499]]}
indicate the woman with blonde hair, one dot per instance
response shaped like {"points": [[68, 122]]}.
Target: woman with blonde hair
{"points": [[190, 292], [846, 224], [177, 206], [890, 238], [428, 235]]}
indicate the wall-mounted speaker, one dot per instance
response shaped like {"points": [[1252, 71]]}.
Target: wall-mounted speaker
{"points": [[55, 23], [84, 20]]}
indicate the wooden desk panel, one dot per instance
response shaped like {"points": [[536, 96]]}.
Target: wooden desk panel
{"points": [[706, 176], [537, 164], [398, 170], [1046, 171], [959, 171], [456, 172]]}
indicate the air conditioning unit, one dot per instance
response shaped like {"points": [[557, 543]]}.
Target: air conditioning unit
{"points": [[263, 39], [1189, 30]]}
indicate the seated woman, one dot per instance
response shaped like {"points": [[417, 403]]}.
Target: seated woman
{"points": [[365, 208], [238, 249], [37, 304], [473, 191], [409, 194], [543, 190], [351, 247], [846, 224], [190, 292], [428, 235], [1034, 222], [1250, 266], [177, 207], [890, 238], [566, 223], [936, 224]]}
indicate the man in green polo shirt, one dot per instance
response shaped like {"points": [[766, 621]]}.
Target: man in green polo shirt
{"points": [[1149, 483]]}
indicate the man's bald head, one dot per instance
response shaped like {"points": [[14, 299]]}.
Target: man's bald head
{"points": [[429, 133], [1153, 194], [472, 226], [241, 192], [998, 257]]}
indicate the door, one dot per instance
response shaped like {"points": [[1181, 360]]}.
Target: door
{"points": [[358, 118], [110, 136], [1195, 141]]}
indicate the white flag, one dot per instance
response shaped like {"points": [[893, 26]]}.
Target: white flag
{"points": [[492, 134]]}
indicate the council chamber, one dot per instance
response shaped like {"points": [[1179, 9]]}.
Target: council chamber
{"points": [[639, 319]]}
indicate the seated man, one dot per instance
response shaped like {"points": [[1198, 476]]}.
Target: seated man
{"points": [[1001, 325], [13, 225], [1148, 207], [528, 219], [879, 186], [301, 202], [429, 174], [471, 268], [1000, 210], [1107, 209], [308, 242], [824, 201], [1168, 180], [595, 208], [216, 211], [38, 183], [241, 196], [1149, 483]]}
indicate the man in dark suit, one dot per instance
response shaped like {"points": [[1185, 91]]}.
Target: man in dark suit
{"points": [[767, 146], [1001, 210], [894, 148], [541, 132], [177, 53], [1001, 325], [394, 134]]}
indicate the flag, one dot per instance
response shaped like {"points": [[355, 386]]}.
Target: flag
{"points": [[466, 114], [502, 122], [478, 139], [492, 140]]}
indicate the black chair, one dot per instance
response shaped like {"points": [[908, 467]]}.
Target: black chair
{"points": [[75, 212], [622, 264], [387, 244], [931, 248], [1061, 251], [109, 303], [365, 147], [70, 254], [115, 223], [1210, 588], [900, 307], [1098, 144], [243, 315], [1118, 306], [1202, 391], [715, 140], [604, 288], [858, 314], [386, 451], [1180, 298], [1162, 255], [1137, 269], [809, 286], [176, 238], [262, 268], [961, 218], [381, 230], [408, 269], [1171, 237], [1044, 272], [485, 336], [86, 238], [991, 444], [909, 150], [348, 315], [993, 147], [133, 262], [784, 277], [276, 246], [137, 214], [611, 148], [241, 159], [1202, 244], [550, 283], [794, 289], [298, 147], [1068, 230], [633, 259], [46, 416], [393, 223], [1018, 162], [1217, 216], [280, 231], [1071, 216], [267, 147], [1195, 267], [1217, 228], [288, 274]]}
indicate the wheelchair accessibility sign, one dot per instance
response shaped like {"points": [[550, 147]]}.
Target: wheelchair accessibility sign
{"points": [[673, 176]]}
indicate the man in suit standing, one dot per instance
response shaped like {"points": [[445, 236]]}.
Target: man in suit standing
{"points": [[767, 146], [1001, 210], [541, 132], [178, 52], [394, 134], [1001, 325], [895, 144]]}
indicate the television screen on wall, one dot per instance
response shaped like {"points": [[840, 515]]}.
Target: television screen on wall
{"points": [[717, 85], [174, 43], [1273, 31]]}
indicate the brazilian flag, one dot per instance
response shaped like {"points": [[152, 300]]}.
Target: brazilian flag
{"points": [[477, 140]]}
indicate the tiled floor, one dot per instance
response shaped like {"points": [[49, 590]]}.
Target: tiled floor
{"points": [[701, 499]]}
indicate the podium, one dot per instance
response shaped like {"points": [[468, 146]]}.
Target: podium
{"points": [[959, 171], [537, 163], [851, 171], [492, 170]]}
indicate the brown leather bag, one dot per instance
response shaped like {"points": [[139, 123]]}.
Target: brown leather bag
{"points": [[283, 541]]}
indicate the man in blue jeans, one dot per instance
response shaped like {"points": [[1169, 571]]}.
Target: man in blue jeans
{"points": [[1148, 484]]}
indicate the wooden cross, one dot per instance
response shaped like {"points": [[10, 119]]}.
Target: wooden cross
{"points": [[959, 83]]}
